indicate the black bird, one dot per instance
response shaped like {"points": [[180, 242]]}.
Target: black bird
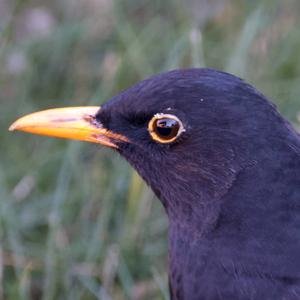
{"points": [[226, 167]]}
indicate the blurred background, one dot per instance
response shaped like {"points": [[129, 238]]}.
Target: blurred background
{"points": [[76, 222]]}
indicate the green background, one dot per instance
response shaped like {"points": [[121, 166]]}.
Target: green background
{"points": [[76, 222]]}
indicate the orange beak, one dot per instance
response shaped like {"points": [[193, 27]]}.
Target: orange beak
{"points": [[77, 123]]}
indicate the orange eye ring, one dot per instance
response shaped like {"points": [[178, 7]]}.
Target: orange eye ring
{"points": [[165, 128]]}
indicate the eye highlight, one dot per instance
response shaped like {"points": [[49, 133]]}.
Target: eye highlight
{"points": [[165, 128]]}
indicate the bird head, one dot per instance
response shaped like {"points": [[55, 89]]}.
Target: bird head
{"points": [[187, 133]]}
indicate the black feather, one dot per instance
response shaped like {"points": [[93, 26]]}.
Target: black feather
{"points": [[230, 184]]}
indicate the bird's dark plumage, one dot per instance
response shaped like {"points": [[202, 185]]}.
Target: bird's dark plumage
{"points": [[225, 165], [230, 184]]}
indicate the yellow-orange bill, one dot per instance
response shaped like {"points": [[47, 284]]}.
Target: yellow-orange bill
{"points": [[77, 123]]}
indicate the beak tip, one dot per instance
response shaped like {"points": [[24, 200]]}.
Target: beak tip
{"points": [[17, 125], [13, 127]]}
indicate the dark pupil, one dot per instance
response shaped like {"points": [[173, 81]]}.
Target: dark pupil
{"points": [[167, 128]]}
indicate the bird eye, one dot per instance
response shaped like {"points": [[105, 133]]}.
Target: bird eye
{"points": [[165, 128]]}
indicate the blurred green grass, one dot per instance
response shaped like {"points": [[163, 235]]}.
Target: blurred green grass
{"points": [[75, 221]]}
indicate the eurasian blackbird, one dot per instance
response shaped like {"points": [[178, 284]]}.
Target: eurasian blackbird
{"points": [[225, 165]]}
